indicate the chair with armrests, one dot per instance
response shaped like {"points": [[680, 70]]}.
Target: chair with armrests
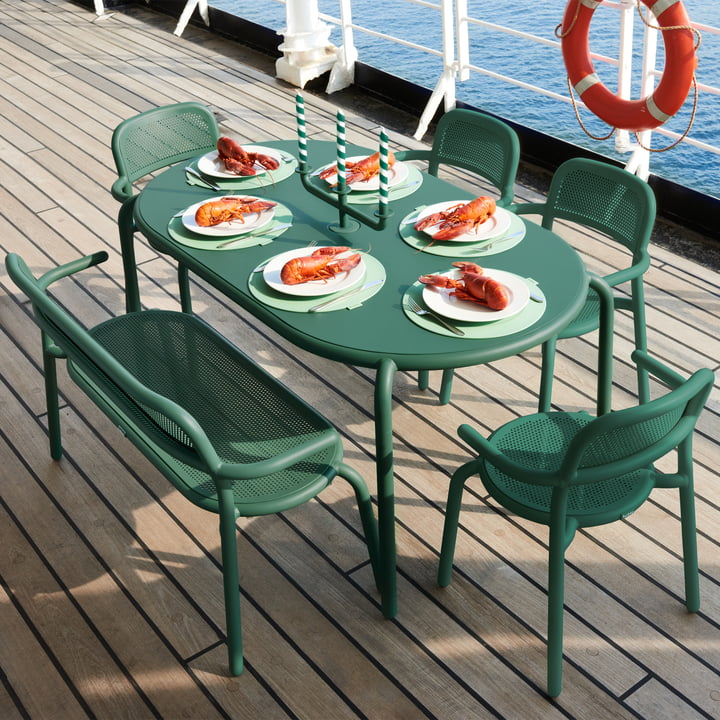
{"points": [[486, 146], [230, 437], [570, 470], [143, 144], [621, 205]]}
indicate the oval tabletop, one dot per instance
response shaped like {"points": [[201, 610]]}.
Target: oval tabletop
{"points": [[378, 328]]}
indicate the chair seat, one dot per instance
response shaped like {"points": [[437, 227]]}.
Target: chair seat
{"points": [[587, 320], [540, 442], [246, 414]]}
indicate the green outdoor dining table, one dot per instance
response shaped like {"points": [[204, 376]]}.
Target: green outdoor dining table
{"points": [[374, 330]]}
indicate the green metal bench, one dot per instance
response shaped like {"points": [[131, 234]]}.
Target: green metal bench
{"points": [[230, 437]]}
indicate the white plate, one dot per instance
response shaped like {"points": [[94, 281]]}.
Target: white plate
{"points": [[442, 302], [493, 227], [253, 221], [397, 174], [211, 164], [313, 288]]}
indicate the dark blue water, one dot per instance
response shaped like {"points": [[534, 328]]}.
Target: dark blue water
{"points": [[539, 65]]}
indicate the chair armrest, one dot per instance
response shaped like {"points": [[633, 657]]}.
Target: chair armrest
{"points": [[661, 371], [489, 452], [412, 155], [232, 471], [527, 208], [62, 271], [629, 273], [122, 189]]}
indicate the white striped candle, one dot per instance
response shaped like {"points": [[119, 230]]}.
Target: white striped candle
{"points": [[301, 132], [341, 149], [384, 170]]}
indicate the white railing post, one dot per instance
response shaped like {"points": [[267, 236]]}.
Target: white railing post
{"points": [[625, 62], [647, 85], [445, 87], [342, 74], [307, 51]]}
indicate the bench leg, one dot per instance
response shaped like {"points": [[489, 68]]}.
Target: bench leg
{"points": [[51, 397], [367, 517], [231, 581]]}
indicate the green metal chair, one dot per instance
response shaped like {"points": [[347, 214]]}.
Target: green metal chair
{"points": [[473, 141], [225, 433], [143, 144], [570, 470], [486, 146], [620, 205]]}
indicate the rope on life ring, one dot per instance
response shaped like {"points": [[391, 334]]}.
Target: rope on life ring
{"points": [[670, 94]]}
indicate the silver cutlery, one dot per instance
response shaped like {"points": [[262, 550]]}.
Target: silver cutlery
{"points": [[418, 310], [256, 233], [264, 263], [344, 295], [192, 171]]}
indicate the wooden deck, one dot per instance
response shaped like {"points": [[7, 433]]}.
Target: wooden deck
{"points": [[110, 585]]}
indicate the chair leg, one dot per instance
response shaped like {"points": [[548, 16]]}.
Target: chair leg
{"points": [[546, 375], [689, 543], [452, 517], [446, 385], [367, 518], [184, 283], [231, 581], [126, 226], [556, 595]]}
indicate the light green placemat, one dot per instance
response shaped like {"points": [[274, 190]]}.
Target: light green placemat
{"points": [[373, 271], [178, 232], [420, 241], [530, 314], [240, 184], [412, 184]]}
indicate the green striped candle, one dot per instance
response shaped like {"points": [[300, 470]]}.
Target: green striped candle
{"points": [[384, 171], [301, 132], [341, 150]]}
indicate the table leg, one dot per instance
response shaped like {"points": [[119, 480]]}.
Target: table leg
{"points": [[605, 344], [385, 485]]}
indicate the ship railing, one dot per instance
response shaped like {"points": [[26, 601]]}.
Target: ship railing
{"points": [[454, 58]]}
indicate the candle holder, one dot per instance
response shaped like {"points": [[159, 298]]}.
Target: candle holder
{"points": [[349, 217]]}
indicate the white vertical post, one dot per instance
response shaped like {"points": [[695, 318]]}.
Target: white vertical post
{"points": [[445, 87], [463, 41], [622, 137], [307, 51], [342, 74], [650, 40], [99, 7]]}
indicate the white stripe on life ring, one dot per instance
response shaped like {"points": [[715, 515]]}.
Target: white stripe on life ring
{"points": [[592, 4], [587, 82], [655, 111], [661, 6]]}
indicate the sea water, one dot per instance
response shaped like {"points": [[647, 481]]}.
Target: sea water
{"points": [[530, 62]]}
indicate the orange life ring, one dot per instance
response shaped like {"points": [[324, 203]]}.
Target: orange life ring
{"points": [[674, 85]]}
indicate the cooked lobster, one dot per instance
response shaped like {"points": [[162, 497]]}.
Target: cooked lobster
{"points": [[229, 208], [323, 264], [240, 161], [360, 170], [459, 219], [472, 285]]}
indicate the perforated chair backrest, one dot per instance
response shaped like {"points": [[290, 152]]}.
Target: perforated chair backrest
{"points": [[604, 197], [483, 144], [627, 440], [161, 137]]}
